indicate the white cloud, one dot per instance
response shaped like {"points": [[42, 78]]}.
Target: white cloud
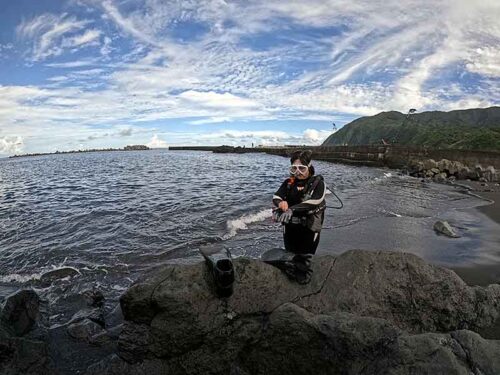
{"points": [[215, 100], [74, 64], [89, 37], [46, 31], [106, 48], [365, 57], [11, 145], [125, 132], [316, 136], [263, 137], [210, 120], [156, 142], [485, 61]]}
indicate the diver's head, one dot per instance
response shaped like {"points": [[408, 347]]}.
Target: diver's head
{"points": [[301, 164]]}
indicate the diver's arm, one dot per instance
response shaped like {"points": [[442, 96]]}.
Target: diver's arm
{"points": [[312, 203], [279, 196]]}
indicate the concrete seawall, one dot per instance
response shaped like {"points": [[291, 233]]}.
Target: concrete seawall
{"points": [[373, 155]]}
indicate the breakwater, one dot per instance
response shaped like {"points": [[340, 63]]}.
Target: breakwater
{"points": [[371, 155]]}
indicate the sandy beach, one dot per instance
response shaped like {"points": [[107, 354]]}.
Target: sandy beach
{"points": [[483, 274]]}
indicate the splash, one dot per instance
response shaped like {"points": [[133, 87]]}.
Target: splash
{"points": [[233, 226]]}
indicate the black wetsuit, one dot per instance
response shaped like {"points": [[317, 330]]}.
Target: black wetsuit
{"points": [[301, 235]]}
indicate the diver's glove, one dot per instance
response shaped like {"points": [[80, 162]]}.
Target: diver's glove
{"points": [[276, 214], [286, 216]]}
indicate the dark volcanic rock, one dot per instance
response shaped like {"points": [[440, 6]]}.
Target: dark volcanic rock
{"points": [[443, 227], [363, 312], [95, 314], [20, 311], [21, 349], [20, 356], [86, 330], [60, 273]]}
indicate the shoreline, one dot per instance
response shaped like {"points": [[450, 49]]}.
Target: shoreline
{"points": [[489, 191], [485, 274]]}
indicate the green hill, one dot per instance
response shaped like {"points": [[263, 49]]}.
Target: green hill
{"points": [[472, 129]]}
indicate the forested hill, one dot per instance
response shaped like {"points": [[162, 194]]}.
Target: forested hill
{"points": [[473, 129]]}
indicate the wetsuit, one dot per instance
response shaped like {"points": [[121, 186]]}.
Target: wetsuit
{"points": [[301, 234]]}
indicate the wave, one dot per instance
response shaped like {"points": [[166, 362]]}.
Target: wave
{"points": [[233, 226], [24, 278], [19, 278]]}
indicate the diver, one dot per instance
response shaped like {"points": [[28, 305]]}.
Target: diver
{"points": [[299, 204]]}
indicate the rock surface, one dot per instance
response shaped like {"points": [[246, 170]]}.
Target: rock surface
{"points": [[20, 311], [445, 169], [363, 313], [443, 227], [19, 352]]}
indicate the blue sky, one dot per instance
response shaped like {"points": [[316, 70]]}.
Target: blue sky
{"points": [[78, 74]]}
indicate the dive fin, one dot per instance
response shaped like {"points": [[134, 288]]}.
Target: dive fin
{"points": [[297, 267], [220, 267]]}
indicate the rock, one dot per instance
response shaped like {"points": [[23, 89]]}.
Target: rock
{"points": [[96, 315], [464, 173], [20, 356], [435, 171], [21, 350], [429, 164], [429, 173], [443, 164], [489, 174], [415, 167], [115, 317], [449, 167], [94, 298], [363, 312], [85, 330], [60, 273], [292, 340], [453, 168], [347, 344], [440, 177], [20, 311], [443, 227]]}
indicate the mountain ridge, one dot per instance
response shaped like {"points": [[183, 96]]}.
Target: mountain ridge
{"points": [[471, 129]]}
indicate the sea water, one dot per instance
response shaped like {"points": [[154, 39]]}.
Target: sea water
{"points": [[115, 215]]}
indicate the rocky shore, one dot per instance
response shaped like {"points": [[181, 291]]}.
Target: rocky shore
{"points": [[363, 313], [444, 170]]}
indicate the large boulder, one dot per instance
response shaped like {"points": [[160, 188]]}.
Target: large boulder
{"points": [[20, 311], [429, 164], [489, 174], [292, 340], [23, 351], [361, 308], [443, 227]]}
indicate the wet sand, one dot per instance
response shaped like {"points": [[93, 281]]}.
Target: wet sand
{"points": [[491, 210], [483, 274]]}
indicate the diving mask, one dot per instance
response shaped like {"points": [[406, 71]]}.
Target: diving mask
{"points": [[298, 168]]}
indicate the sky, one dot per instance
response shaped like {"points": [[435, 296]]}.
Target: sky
{"points": [[82, 74]]}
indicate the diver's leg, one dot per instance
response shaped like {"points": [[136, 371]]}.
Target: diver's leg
{"points": [[292, 237], [287, 238], [304, 241], [307, 246], [315, 243]]}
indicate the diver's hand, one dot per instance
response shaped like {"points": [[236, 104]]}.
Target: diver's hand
{"points": [[283, 206], [286, 216], [276, 214]]}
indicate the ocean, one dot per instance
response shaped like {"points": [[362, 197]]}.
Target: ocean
{"points": [[113, 216]]}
